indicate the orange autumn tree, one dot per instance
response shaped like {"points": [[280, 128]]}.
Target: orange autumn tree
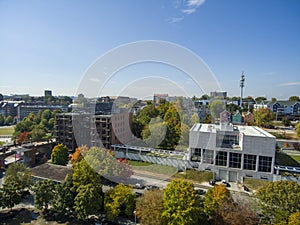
{"points": [[78, 154]]}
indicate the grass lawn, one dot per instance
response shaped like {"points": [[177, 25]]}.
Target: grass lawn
{"points": [[154, 168], [138, 163], [287, 160], [195, 175], [254, 184], [6, 130], [296, 157]]}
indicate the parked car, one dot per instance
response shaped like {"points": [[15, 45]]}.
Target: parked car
{"points": [[224, 182], [151, 187], [138, 186], [200, 191], [246, 188], [212, 182]]}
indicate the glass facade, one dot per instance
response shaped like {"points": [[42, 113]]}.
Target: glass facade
{"points": [[208, 156], [265, 164], [235, 160], [221, 158], [196, 157], [249, 162]]}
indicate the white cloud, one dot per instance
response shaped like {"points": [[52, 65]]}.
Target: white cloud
{"points": [[196, 3], [189, 11], [289, 84], [191, 6], [175, 19]]}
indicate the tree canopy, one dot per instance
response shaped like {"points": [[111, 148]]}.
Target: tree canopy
{"points": [[119, 200], [294, 98], [263, 116], [60, 155], [279, 200], [149, 207], [88, 201], [298, 129], [213, 199], [160, 125], [44, 194], [20, 175], [180, 204], [36, 126], [83, 174], [215, 108]]}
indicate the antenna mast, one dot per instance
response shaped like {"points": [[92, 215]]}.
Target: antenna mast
{"points": [[242, 85]]}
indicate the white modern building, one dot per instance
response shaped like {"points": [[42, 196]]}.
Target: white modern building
{"points": [[233, 152]]}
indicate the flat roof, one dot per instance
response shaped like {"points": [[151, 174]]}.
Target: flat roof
{"points": [[51, 171], [246, 130]]}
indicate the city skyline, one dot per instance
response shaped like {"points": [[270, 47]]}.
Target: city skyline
{"points": [[51, 44]]}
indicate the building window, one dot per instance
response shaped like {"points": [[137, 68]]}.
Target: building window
{"points": [[235, 160], [208, 156], [221, 159], [196, 157], [265, 164], [249, 162], [227, 141]]}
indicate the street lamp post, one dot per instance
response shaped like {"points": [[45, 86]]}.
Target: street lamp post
{"points": [[134, 212]]}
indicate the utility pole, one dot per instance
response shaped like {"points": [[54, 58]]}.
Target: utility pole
{"points": [[242, 85]]}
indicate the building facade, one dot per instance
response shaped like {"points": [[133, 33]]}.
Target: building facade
{"points": [[76, 129], [233, 152]]}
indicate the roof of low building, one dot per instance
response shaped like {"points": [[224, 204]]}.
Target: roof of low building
{"points": [[246, 130], [51, 172]]}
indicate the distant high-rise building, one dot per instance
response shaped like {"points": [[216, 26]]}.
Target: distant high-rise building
{"points": [[218, 95], [48, 93]]}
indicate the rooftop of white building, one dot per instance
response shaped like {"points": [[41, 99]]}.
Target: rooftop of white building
{"points": [[246, 130]]}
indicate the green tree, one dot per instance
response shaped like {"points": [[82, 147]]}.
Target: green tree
{"points": [[298, 129], [149, 207], [37, 133], [20, 175], [2, 119], [88, 201], [234, 213], [63, 201], [263, 116], [10, 194], [286, 122], [213, 199], [278, 200], [8, 120], [185, 133], [181, 207], [232, 108], [173, 123], [195, 118], [294, 98], [294, 218], [119, 200], [273, 99], [204, 97], [44, 194], [105, 164], [83, 174], [46, 115], [38, 117], [215, 108], [60, 155], [154, 133], [260, 99]]}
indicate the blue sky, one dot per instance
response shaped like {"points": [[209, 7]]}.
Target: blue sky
{"points": [[51, 44]]}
